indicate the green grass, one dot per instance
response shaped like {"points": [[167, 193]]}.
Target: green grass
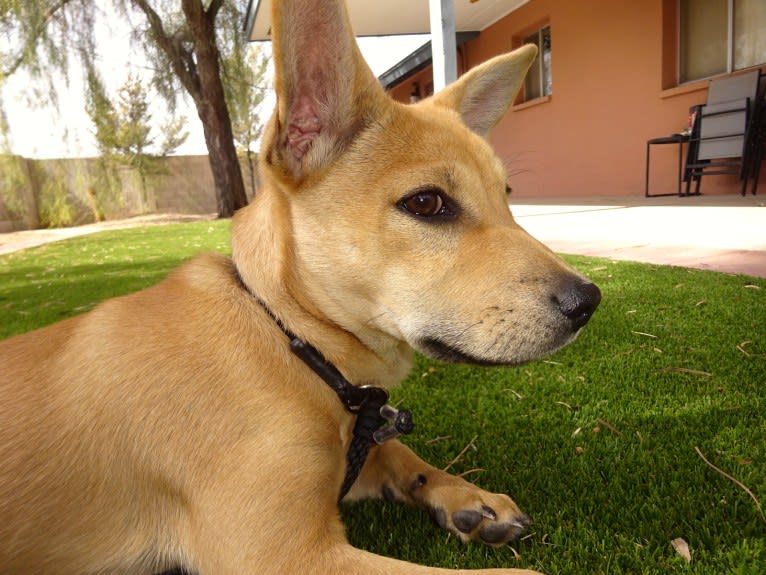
{"points": [[597, 444], [42, 285]]}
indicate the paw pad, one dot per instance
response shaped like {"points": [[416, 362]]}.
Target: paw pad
{"points": [[466, 521]]}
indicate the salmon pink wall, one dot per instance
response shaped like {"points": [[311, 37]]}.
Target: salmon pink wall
{"points": [[610, 62]]}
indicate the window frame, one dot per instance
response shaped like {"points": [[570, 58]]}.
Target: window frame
{"points": [[539, 60]]}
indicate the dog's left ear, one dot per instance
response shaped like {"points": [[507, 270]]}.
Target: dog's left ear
{"points": [[325, 90], [483, 95]]}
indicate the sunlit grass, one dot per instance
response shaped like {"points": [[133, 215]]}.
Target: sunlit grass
{"points": [[597, 443], [45, 284]]}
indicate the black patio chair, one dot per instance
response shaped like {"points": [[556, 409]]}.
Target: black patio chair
{"points": [[728, 131]]}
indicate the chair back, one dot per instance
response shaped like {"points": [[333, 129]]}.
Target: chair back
{"points": [[724, 120]]}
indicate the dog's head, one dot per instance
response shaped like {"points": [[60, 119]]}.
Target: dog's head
{"points": [[399, 228]]}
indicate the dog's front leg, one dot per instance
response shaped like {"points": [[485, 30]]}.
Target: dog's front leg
{"points": [[393, 471]]}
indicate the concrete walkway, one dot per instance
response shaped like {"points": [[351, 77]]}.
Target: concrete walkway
{"points": [[15, 241], [720, 233]]}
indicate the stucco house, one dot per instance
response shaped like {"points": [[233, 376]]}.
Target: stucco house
{"points": [[611, 74]]}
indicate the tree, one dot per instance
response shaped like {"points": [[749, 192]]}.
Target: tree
{"points": [[125, 132], [245, 84], [187, 50]]}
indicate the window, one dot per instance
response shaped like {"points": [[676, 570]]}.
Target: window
{"points": [[720, 36], [539, 81]]}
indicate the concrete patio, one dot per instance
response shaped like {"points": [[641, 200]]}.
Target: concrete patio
{"points": [[719, 233]]}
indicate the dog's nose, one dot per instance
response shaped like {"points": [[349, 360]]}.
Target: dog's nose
{"points": [[578, 302]]}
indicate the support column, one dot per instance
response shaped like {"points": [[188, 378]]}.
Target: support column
{"points": [[443, 46]]}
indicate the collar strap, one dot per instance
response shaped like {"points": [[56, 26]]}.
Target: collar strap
{"points": [[376, 421]]}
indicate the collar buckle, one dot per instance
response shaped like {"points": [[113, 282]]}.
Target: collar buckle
{"points": [[400, 421], [376, 421]]}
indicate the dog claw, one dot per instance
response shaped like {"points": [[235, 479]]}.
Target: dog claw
{"points": [[498, 533], [488, 513], [522, 522]]}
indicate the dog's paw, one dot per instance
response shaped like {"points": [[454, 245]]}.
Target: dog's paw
{"points": [[477, 515]]}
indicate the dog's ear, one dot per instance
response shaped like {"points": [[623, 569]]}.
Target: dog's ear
{"points": [[483, 95], [322, 82]]}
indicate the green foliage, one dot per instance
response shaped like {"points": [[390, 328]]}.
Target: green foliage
{"points": [[40, 36], [174, 135], [54, 209], [14, 183], [596, 443], [125, 135], [183, 56], [187, 49], [133, 137], [246, 84], [14, 179], [101, 111]]}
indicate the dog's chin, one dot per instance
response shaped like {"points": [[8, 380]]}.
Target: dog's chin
{"points": [[439, 349]]}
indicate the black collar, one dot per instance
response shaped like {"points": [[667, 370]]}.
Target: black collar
{"points": [[368, 403]]}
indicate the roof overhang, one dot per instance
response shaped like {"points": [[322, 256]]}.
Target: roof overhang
{"points": [[393, 17], [417, 61]]}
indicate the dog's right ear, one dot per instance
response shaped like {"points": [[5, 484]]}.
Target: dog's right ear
{"points": [[322, 84]]}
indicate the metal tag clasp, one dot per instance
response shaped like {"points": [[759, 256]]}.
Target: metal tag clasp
{"points": [[400, 424]]}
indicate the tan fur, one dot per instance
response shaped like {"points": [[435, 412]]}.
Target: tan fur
{"points": [[174, 427]]}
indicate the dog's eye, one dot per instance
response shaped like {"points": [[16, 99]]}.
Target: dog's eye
{"points": [[428, 203]]}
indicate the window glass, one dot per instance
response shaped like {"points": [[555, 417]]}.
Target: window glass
{"points": [[711, 42], [749, 33], [545, 34], [539, 81], [532, 83], [704, 34]]}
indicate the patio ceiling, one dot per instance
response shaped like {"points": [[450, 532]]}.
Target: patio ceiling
{"points": [[393, 17]]}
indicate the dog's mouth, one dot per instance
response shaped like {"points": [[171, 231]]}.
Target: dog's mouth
{"points": [[438, 349]]}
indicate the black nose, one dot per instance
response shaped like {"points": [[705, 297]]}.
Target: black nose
{"points": [[578, 302]]}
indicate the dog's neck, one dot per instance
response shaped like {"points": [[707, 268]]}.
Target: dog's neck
{"points": [[263, 255]]}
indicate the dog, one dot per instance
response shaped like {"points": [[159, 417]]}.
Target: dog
{"points": [[205, 423]]}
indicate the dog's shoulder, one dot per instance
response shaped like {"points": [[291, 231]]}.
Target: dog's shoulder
{"points": [[210, 270], [203, 285]]}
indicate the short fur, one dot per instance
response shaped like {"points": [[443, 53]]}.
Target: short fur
{"points": [[173, 427]]}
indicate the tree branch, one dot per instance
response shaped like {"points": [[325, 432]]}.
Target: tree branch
{"points": [[213, 9], [181, 59], [35, 36]]}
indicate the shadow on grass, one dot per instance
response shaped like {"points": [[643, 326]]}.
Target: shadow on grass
{"points": [[31, 296], [42, 285]]}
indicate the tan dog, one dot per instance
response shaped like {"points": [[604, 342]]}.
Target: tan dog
{"points": [[174, 427]]}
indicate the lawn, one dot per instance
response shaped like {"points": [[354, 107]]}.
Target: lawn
{"points": [[602, 444]]}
